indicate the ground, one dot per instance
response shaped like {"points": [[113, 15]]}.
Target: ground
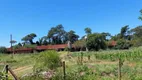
{"points": [[105, 65]]}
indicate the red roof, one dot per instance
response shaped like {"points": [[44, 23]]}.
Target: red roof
{"points": [[43, 47], [59, 46]]}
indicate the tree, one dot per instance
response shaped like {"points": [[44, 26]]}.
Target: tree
{"points": [[29, 38], [124, 31], [42, 41], [140, 17], [137, 36], [124, 34], [88, 30], [72, 36], [137, 32], [56, 35], [96, 42], [106, 35]]}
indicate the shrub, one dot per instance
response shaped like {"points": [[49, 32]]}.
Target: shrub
{"points": [[123, 44], [47, 60], [3, 50]]}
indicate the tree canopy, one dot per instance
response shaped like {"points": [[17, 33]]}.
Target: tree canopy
{"points": [[29, 38]]}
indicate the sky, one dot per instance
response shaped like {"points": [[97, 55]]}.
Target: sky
{"points": [[22, 17]]}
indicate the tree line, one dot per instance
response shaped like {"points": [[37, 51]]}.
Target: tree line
{"points": [[92, 41]]}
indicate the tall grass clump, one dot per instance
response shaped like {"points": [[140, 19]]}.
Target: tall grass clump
{"points": [[47, 60]]}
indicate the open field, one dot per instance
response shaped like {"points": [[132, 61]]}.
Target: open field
{"points": [[102, 65]]}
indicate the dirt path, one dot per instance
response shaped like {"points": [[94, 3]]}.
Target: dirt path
{"points": [[106, 62], [21, 69]]}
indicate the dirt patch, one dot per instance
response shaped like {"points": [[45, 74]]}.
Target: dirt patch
{"points": [[105, 62], [21, 69], [132, 64]]}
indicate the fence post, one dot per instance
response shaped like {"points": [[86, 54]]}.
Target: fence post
{"points": [[15, 77], [6, 68], [119, 69], [81, 58], [88, 57], [64, 70]]}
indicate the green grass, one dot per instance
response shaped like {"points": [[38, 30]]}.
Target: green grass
{"points": [[18, 60], [20, 63], [103, 65]]}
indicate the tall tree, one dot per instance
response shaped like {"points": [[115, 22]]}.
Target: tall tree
{"points": [[106, 35], [56, 35], [140, 17], [137, 32], [72, 36], [29, 38], [124, 31], [88, 30], [96, 42]]}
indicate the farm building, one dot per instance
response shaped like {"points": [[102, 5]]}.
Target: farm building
{"points": [[59, 47]]}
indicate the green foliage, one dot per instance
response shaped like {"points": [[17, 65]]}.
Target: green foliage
{"points": [[75, 73], [124, 31], [33, 77], [137, 36], [140, 17], [123, 44], [96, 42], [88, 30], [80, 44], [57, 35], [129, 55], [136, 42], [72, 36], [19, 45], [29, 46], [29, 38], [47, 60], [3, 50], [2, 77]]}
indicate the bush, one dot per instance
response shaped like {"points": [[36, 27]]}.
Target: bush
{"points": [[123, 44], [3, 50], [47, 60]]}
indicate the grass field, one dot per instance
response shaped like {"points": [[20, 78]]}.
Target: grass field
{"points": [[102, 65]]}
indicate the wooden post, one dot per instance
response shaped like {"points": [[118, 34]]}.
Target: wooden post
{"points": [[119, 69], [6, 68], [11, 46], [78, 58], [11, 41], [81, 58], [11, 72], [88, 57], [64, 70]]}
